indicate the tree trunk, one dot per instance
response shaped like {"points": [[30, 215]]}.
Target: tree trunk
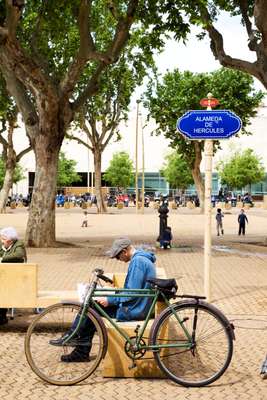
{"points": [[101, 206], [41, 223], [197, 175], [10, 165], [7, 185]]}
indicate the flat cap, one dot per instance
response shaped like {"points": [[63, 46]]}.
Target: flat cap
{"points": [[117, 246]]}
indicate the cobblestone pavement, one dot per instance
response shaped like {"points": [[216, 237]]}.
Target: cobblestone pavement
{"points": [[239, 290]]}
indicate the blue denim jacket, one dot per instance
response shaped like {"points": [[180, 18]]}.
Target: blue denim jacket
{"points": [[140, 269]]}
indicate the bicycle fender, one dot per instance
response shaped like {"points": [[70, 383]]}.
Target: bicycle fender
{"points": [[229, 326]]}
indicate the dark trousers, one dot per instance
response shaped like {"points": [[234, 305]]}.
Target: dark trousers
{"points": [[87, 330], [3, 312], [242, 229]]}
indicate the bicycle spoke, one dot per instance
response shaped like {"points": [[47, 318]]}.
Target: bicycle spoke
{"points": [[45, 359], [209, 354]]}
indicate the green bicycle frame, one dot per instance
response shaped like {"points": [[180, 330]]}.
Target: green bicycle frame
{"points": [[121, 292]]}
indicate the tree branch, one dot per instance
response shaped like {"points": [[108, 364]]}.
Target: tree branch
{"points": [[23, 101], [111, 55], [22, 153], [112, 131], [253, 40], [3, 141], [79, 140], [114, 10], [90, 89], [217, 47], [260, 15], [14, 11]]}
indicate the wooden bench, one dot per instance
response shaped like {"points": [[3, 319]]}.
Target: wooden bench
{"points": [[116, 363], [19, 288]]}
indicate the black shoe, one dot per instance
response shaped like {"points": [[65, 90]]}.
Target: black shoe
{"points": [[75, 356], [3, 320]]}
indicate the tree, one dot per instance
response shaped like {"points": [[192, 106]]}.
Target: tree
{"points": [[99, 119], [179, 92], [10, 170], [120, 172], [241, 169], [46, 48], [176, 171], [18, 173], [66, 171]]}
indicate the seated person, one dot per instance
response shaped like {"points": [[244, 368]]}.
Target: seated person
{"points": [[140, 269], [165, 241], [12, 251]]}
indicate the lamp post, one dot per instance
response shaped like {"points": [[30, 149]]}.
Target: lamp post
{"points": [[136, 157], [143, 168]]}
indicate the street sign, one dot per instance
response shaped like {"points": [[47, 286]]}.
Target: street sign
{"points": [[220, 124], [209, 102]]}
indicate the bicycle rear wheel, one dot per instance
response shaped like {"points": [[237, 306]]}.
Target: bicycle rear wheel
{"points": [[45, 359], [204, 359]]}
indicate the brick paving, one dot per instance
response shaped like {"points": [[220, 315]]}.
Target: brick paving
{"points": [[239, 289]]}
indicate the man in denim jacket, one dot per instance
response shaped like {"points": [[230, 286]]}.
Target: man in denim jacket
{"points": [[141, 268]]}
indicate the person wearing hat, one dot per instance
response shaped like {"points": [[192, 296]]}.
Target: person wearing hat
{"points": [[11, 251], [141, 268]]}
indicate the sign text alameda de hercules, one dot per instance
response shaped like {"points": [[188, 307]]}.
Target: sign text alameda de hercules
{"points": [[220, 124]]}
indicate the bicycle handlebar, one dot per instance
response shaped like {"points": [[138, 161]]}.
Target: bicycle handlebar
{"points": [[99, 273]]}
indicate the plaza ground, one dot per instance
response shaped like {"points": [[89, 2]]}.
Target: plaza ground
{"points": [[239, 289]]}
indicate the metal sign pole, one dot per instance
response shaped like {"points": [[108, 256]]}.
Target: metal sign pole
{"points": [[136, 158], [208, 149], [208, 125], [207, 237]]}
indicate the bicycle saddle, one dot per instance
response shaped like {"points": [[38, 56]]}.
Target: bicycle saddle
{"points": [[164, 284]]}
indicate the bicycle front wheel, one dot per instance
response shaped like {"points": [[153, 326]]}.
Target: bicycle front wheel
{"points": [[45, 359], [197, 350]]}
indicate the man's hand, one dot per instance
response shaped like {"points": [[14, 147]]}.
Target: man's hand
{"points": [[103, 301]]}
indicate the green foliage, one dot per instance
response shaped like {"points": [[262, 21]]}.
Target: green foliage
{"points": [[176, 171], [178, 92], [7, 104], [66, 171], [241, 169], [120, 171], [18, 173]]}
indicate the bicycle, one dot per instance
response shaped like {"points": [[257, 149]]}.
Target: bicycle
{"points": [[191, 340]]}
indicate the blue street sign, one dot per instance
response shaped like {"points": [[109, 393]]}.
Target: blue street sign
{"points": [[198, 124]]}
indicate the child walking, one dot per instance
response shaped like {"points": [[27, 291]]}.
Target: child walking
{"points": [[219, 217], [242, 220], [85, 220]]}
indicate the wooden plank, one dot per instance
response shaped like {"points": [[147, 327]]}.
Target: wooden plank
{"points": [[116, 362], [18, 285]]}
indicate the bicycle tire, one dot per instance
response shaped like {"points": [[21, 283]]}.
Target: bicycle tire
{"points": [[214, 344], [45, 359]]}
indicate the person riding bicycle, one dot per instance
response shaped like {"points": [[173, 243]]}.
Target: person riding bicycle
{"points": [[141, 268]]}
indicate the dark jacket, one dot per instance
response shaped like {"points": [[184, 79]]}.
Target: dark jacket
{"points": [[15, 254], [242, 219], [140, 269]]}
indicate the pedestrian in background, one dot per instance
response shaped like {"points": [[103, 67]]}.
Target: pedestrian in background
{"points": [[219, 217], [242, 220], [85, 220]]}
